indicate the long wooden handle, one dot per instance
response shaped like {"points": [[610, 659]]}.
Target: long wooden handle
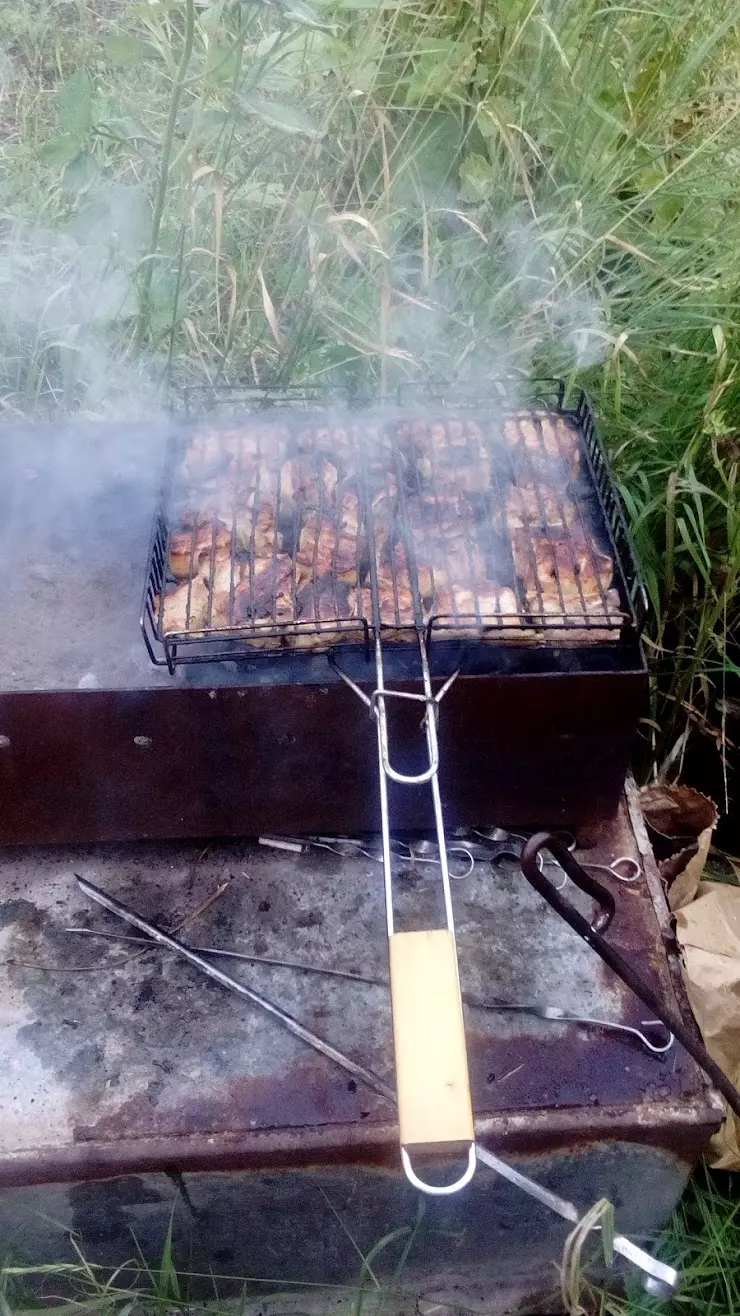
{"points": [[434, 1103]]}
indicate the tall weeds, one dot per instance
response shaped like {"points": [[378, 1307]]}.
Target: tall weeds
{"points": [[373, 191]]}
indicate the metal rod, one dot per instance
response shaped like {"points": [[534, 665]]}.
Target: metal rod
{"points": [[430, 722], [657, 1270], [287, 1020], [626, 972], [346, 974], [385, 826], [552, 1013], [661, 1274]]}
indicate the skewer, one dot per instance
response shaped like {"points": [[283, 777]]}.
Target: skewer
{"points": [[552, 1013], [211, 971], [662, 1279]]}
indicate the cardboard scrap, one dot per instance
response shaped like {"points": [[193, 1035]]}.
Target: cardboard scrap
{"points": [[708, 931], [680, 822]]}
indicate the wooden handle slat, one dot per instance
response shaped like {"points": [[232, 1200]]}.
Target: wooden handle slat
{"points": [[431, 1060]]}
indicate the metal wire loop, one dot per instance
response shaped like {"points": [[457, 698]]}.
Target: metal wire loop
{"points": [[439, 1190]]}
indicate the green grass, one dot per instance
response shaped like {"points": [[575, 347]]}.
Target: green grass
{"points": [[368, 192]]}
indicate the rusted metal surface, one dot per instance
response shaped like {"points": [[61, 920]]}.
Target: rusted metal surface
{"points": [[105, 1064], [103, 765], [98, 745]]}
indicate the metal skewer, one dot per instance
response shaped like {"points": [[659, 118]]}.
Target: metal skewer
{"points": [[244, 956], [549, 1012], [662, 1279], [287, 1020]]}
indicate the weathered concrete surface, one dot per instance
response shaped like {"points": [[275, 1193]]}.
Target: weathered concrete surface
{"points": [[116, 1063]]}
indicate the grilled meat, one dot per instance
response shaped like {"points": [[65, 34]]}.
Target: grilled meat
{"points": [[273, 532], [564, 575], [323, 551], [186, 608], [310, 482], [536, 506], [484, 602], [265, 592], [255, 530]]}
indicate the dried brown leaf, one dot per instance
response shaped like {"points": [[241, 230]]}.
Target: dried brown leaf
{"points": [[269, 310]]}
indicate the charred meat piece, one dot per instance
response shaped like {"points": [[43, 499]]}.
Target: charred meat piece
{"points": [[265, 590], [265, 537], [215, 453], [270, 578], [348, 511], [486, 601], [334, 442], [562, 573], [191, 549], [396, 599], [185, 548], [226, 571], [439, 513], [316, 545], [544, 445], [458, 559], [324, 600], [350, 542], [215, 550], [472, 477], [560, 439], [255, 529], [454, 457], [383, 513]]}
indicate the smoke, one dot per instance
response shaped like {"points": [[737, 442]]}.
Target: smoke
{"points": [[493, 311], [67, 299], [537, 262], [78, 495]]}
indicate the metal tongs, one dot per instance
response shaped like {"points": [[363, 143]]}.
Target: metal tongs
{"points": [[592, 933]]}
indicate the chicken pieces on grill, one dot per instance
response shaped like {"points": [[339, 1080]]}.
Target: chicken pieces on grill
{"points": [[565, 577], [185, 609], [473, 532], [546, 446], [265, 591], [256, 531], [535, 506], [326, 549], [191, 550], [310, 483]]}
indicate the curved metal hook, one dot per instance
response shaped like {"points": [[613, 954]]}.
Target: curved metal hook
{"points": [[655, 1025], [576, 872], [631, 868], [437, 1190], [464, 852]]}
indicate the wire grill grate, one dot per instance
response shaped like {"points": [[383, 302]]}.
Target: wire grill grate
{"points": [[297, 530]]}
